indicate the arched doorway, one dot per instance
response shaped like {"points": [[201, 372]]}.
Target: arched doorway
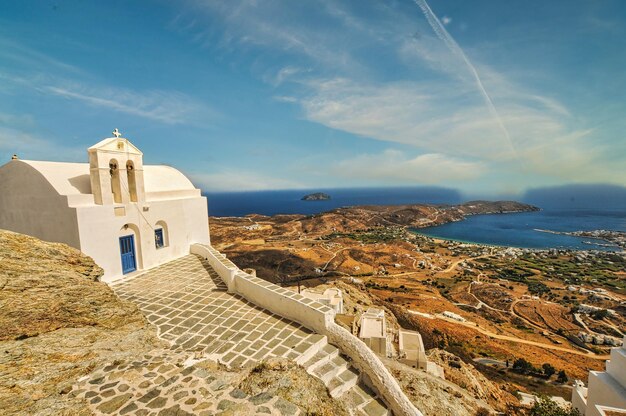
{"points": [[130, 248]]}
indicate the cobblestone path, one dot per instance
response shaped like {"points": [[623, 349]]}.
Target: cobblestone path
{"points": [[164, 384]]}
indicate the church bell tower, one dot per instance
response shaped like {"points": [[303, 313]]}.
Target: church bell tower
{"points": [[116, 171]]}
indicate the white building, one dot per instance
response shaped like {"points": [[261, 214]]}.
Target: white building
{"points": [[331, 297], [125, 215], [374, 330], [453, 315], [412, 351], [606, 391]]}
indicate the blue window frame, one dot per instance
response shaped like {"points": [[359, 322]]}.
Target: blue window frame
{"points": [[158, 238]]}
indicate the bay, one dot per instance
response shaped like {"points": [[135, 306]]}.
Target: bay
{"points": [[523, 229], [513, 230]]}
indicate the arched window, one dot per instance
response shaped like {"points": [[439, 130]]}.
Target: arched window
{"points": [[132, 183], [161, 235], [116, 188]]}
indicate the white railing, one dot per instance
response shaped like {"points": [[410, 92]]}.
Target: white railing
{"points": [[315, 316]]}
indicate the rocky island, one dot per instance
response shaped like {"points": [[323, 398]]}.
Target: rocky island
{"points": [[317, 196]]}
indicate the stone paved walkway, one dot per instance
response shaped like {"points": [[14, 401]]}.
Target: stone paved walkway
{"points": [[188, 303]]}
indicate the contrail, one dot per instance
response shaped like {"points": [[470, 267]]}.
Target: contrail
{"points": [[454, 47]]}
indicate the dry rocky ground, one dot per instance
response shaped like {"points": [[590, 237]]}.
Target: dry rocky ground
{"points": [[465, 389], [57, 323]]}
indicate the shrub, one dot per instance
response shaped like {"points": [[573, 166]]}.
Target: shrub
{"points": [[548, 370], [600, 314], [548, 407], [523, 366]]}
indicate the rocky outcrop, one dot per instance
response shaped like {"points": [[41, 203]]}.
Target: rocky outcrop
{"points": [[472, 380], [432, 395], [284, 378], [57, 323], [49, 286]]}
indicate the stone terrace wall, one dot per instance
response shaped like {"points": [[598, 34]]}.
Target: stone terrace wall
{"points": [[315, 316]]}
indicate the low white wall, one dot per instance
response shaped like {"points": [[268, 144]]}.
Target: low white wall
{"points": [[367, 362], [315, 316], [579, 399], [280, 301], [289, 305], [218, 262]]}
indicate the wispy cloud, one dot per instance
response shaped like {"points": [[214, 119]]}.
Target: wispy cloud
{"points": [[168, 107], [53, 77], [230, 180], [413, 113], [440, 98], [32, 60], [393, 167], [274, 27], [284, 74], [163, 106], [454, 47], [31, 145], [419, 115]]}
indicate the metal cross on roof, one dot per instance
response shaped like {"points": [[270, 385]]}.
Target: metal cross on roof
{"points": [[116, 133]]}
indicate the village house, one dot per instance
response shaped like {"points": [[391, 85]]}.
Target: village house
{"points": [[128, 217]]}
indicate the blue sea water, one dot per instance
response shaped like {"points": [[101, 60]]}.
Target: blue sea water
{"points": [[521, 229], [560, 212], [238, 204]]}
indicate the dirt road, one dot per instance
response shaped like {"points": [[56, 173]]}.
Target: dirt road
{"points": [[522, 341]]}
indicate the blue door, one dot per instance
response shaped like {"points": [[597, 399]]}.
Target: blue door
{"points": [[127, 250]]}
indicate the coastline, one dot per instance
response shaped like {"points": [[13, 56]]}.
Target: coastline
{"points": [[418, 219], [613, 238], [581, 241], [440, 240]]}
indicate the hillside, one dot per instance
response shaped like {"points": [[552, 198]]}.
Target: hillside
{"points": [[559, 307]]}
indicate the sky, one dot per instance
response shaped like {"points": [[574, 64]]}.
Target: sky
{"points": [[482, 96]]}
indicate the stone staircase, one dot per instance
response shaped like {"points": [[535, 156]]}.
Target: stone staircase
{"points": [[324, 361], [343, 381]]}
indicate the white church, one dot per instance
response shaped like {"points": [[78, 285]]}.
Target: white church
{"points": [[126, 216]]}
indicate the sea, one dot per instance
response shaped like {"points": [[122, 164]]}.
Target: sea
{"points": [[561, 211]]}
